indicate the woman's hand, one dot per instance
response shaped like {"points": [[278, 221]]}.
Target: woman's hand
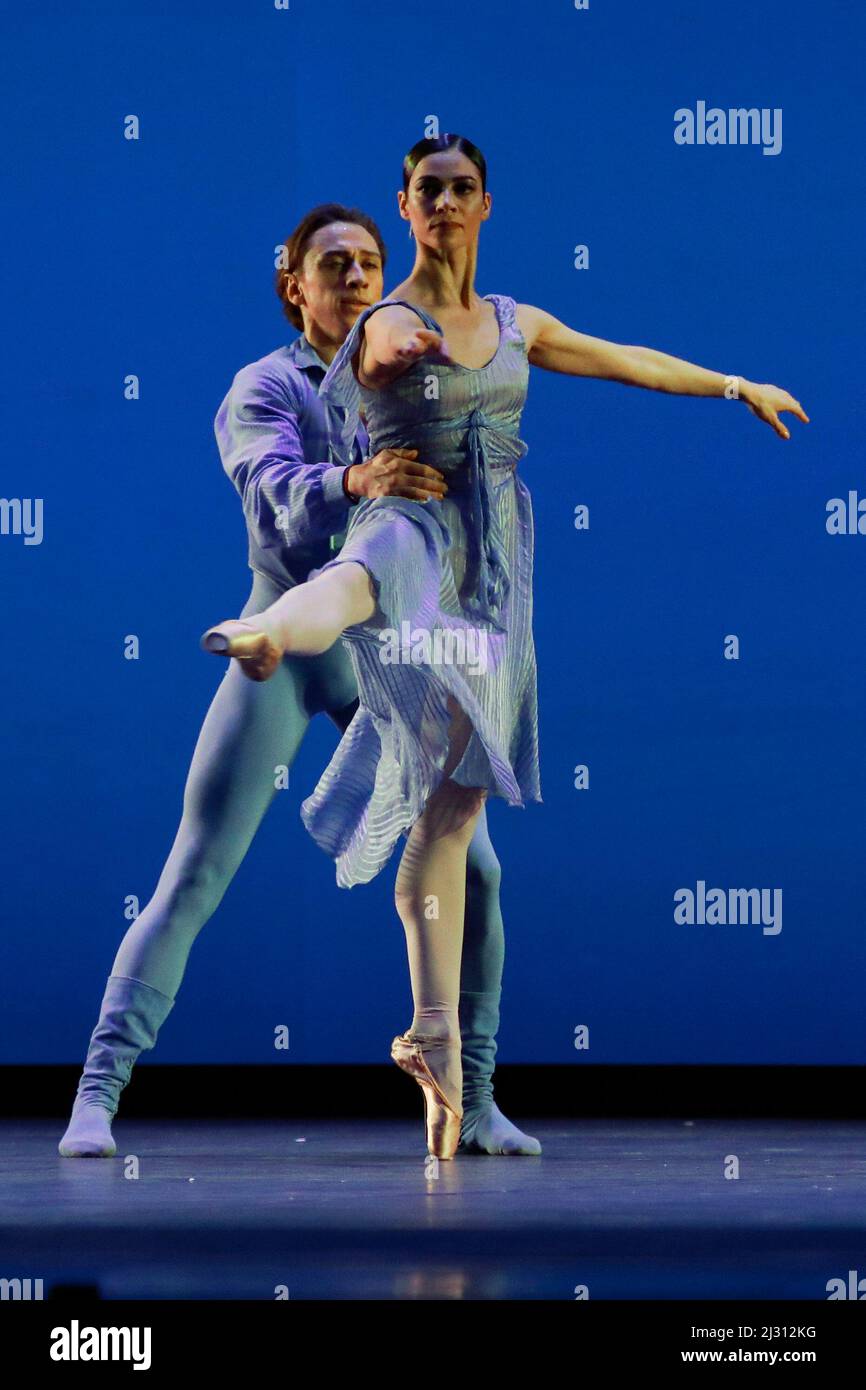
{"points": [[396, 338], [767, 401], [421, 342]]}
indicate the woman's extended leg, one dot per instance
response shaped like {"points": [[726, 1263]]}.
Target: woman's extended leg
{"points": [[305, 621]]}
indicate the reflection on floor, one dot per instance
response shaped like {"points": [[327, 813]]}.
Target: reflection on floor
{"points": [[613, 1209]]}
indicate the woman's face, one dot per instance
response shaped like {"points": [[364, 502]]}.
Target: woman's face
{"points": [[444, 202]]}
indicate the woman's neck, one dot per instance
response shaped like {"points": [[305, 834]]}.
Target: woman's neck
{"points": [[444, 278]]}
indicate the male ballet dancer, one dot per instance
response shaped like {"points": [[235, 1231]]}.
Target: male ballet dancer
{"points": [[274, 435]]}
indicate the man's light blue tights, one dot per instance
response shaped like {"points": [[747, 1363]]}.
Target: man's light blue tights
{"points": [[251, 729]]}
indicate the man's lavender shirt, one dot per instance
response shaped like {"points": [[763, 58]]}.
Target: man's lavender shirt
{"points": [[275, 440]]}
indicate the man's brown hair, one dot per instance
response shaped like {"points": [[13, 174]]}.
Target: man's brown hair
{"points": [[296, 244]]}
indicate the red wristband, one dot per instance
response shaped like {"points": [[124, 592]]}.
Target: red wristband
{"points": [[351, 496]]}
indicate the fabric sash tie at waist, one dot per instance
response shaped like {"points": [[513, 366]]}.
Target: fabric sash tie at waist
{"points": [[488, 449]]}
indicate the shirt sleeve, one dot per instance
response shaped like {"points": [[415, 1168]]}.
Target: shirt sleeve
{"points": [[286, 501]]}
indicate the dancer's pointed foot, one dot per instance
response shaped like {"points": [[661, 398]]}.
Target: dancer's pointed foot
{"points": [[254, 649], [89, 1132], [493, 1133], [435, 1065]]}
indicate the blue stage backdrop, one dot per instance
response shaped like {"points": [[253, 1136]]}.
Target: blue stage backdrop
{"points": [[699, 595]]}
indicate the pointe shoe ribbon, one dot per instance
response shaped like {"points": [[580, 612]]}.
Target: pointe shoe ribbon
{"points": [[418, 1057], [257, 654]]}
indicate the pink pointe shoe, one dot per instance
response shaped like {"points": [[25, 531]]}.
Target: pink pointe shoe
{"points": [[421, 1058], [256, 653]]}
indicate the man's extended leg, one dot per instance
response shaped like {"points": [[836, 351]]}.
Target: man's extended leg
{"points": [[250, 732], [485, 1130]]}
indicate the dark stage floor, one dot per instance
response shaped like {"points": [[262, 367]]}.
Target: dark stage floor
{"points": [[633, 1209]]}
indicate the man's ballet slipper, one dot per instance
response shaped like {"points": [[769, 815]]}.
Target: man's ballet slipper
{"points": [[253, 649]]}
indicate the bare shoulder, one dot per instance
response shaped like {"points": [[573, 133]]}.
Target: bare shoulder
{"points": [[532, 321]]}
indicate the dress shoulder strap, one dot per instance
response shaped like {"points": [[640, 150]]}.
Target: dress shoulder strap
{"points": [[506, 309], [427, 319]]}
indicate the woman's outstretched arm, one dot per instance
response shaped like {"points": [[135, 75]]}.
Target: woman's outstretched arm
{"points": [[394, 338], [554, 346]]}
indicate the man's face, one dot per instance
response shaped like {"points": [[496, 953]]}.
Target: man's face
{"points": [[341, 274]]}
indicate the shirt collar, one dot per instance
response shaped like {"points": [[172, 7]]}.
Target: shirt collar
{"points": [[303, 354]]}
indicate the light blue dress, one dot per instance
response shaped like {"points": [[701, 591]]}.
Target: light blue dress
{"points": [[453, 586]]}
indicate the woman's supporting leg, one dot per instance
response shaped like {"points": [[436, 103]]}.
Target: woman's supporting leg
{"points": [[430, 896], [484, 1130], [249, 733]]}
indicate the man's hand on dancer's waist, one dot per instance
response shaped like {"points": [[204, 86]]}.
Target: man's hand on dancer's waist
{"points": [[394, 473]]}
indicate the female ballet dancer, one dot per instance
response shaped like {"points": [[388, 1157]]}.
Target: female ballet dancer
{"points": [[438, 365], [274, 434]]}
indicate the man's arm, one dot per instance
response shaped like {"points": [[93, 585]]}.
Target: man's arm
{"points": [[286, 501]]}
